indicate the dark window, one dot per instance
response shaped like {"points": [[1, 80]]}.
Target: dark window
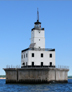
{"points": [[50, 55], [26, 55], [41, 54], [50, 63], [23, 63], [41, 63], [32, 63], [32, 54], [21, 56], [39, 39]]}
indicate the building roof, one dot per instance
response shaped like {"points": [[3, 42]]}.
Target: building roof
{"points": [[32, 45], [37, 29], [38, 49], [37, 22]]}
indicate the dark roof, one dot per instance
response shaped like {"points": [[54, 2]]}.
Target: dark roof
{"points": [[42, 28], [38, 49], [37, 22], [25, 50], [35, 28], [52, 50]]}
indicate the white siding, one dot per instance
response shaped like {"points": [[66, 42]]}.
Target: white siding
{"points": [[32, 36], [39, 42], [24, 60], [38, 38], [37, 59]]}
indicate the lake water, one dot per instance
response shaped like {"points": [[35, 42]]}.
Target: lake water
{"points": [[55, 87]]}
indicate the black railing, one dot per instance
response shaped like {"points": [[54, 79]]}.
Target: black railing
{"points": [[62, 67], [18, 66], [12, 66]]}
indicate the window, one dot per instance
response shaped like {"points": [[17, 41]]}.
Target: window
{"points": [[39, 39], [21, 56], [50, 55], [32, 63], [32, 54], [23, 63], [41, 54], [26, 55], [50, 63], [41, 63]]}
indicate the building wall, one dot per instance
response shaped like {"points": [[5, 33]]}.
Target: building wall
{"points": [[61, 75], [29, 75], [32, 36], [11, 75], [24, 59], [37, 59], [38, 37]]}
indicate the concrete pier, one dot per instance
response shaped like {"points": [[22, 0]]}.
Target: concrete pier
{"points": [[36, 75]]}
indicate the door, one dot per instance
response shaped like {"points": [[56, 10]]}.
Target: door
{"points": [[50, 63], [41, 63], [32, 63]]}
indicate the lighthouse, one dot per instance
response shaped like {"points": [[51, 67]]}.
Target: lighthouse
{"points": [[37, 62], [36, 54]]}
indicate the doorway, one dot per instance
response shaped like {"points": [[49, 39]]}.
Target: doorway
{"points": [[50, 63], [32, 63], [41, 64]]}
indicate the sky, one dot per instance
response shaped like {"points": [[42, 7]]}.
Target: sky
{"points": [[16, 21]]}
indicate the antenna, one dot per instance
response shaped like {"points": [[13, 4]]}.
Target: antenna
{"points": [[37, 15]]}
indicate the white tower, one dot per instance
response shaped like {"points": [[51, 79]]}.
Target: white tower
{"points": [[37, 35], [37, 54]]}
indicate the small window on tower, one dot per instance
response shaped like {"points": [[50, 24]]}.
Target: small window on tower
{"points": [[39, 39], [32, 54], [50, 55], [41, 54]]}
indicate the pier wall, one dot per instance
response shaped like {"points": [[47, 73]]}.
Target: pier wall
{"points": [[36, 75]]}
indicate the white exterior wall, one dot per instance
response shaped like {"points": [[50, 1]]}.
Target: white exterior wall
{"points": [[24, 60], [32, 36], [38, 38], [37, 59]]}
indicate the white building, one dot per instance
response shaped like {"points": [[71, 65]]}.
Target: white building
{"points": [[36, 54]]}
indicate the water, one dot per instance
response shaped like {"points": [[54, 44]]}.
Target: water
{"points": [[57, 87]]}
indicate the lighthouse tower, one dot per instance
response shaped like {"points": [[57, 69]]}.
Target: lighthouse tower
{"points": [[37, 35], [37, 54]]}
